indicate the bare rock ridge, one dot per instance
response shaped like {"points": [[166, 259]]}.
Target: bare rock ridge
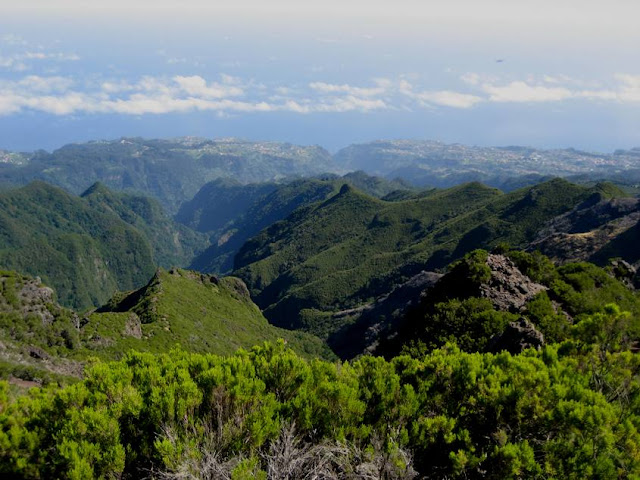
{"points": [[585, 232], [376, 319], [508, 288], [518, 336]]}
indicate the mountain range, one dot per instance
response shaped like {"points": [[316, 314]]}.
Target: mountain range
{"points": [[172, 171]]}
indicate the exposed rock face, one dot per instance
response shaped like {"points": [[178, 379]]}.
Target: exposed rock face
{"points": [[34, 298], [30, 297], [586, 230], [37, 353], [517, 337], [508, 288], [623, 271], [376, 319], [133, 327]]}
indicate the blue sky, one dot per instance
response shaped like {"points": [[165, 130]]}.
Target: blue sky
{"points": [[331, 73]]}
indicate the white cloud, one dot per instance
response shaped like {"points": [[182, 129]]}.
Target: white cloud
{"points": [[49, 56], [116, 87], [11, 39], [9, 103], [443, 98], [448, 98], [523, 92], [36, 83], [322, 87], [471, 78], [21, 61], [59, 95], [197, 86]]}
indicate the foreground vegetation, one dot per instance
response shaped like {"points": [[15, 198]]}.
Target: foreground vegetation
{"points": [[569, 410]]}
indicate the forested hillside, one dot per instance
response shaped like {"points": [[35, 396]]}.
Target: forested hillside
{"points": [[340, 253], [88, 247], [463, 362], [232, 213], [84, 253]]}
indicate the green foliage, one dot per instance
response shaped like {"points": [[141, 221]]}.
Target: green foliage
{"points": [[585, 289], [553, 324], [469, 323], [173, 244], [460, 415], [201, 313], [534, 265], [472, 268], [578, 289], [84, 253], [612, 330]]}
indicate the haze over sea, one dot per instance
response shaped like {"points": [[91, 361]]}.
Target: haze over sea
{"points": [[545, 74]]}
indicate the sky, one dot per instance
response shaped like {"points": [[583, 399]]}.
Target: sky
{"points": [[539, 73]]}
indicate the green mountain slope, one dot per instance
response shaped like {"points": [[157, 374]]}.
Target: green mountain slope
{"points": [[262, 212], [84, 253], [219, 203], [232, 213], [173, 244], [42, 341], [201, 313], [90, 246], [352, 248]]}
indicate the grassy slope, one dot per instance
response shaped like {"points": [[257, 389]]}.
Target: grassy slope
{"points": [[43, 342], [344, 251], [197, 312]]}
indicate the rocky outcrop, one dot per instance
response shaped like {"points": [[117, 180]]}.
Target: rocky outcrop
{"points": [[34, 298], [133, 326], [377, 319], [517, 337], [623, 271], [587, 230], [27, 296], [508, 288]]}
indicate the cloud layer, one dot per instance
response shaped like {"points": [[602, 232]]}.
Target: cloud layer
{"points": [[60, 95]]}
